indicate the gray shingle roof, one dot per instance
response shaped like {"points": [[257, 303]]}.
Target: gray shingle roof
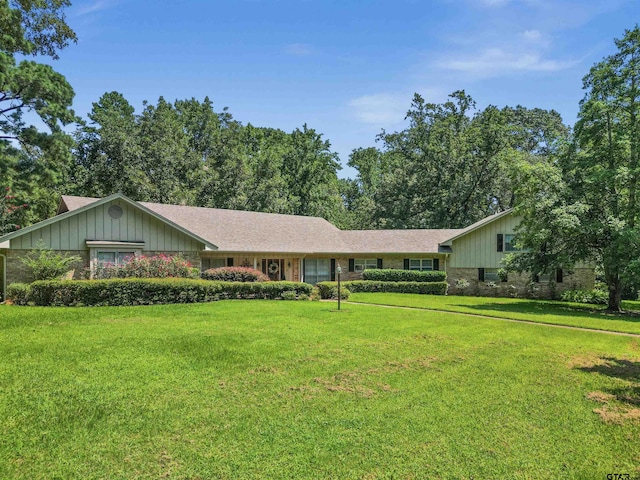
{"points": [[242, 231], [396, 241]]}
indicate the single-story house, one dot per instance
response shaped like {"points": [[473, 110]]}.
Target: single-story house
{"points": [[285, 247]]}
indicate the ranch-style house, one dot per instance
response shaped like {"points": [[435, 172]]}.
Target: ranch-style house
{"points": [[285, 247]]}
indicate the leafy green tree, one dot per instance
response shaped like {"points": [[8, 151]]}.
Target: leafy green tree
{"points": [[584, 207], [35, 158], [108, 153], [309, 168], [450, 167], [9, 210]]}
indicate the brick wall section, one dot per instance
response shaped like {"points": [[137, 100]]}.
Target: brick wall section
{"points": [[519, 285], [387, 262], [19, 272]]}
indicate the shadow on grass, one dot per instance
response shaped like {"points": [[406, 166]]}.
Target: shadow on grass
{"points": [[620, 403], [537, 307]]}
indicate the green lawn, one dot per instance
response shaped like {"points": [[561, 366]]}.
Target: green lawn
{"points": [[558, 313], [268, 389]]}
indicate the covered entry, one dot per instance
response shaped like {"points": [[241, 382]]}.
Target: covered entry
{"points": [[274, 268]]}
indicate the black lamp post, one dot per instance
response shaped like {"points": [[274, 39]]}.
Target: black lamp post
{"points": [[339, 271]]}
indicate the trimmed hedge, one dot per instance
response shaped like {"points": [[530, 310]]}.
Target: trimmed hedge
{"points": [[18, 293], [326, 289], [149, 291], [234, 274], [397, 275]]}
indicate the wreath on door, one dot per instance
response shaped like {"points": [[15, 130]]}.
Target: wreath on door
{"points": [[274, 268]]}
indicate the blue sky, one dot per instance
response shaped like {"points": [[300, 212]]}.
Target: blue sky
{"points": [[347, 68]]}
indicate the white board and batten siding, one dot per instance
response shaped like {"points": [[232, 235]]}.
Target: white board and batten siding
{"points": [[479, 248], [134, 225]]}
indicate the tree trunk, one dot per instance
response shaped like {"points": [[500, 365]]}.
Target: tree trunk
{"points": [[615, 294]]}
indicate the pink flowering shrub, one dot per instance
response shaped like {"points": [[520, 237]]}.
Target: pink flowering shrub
{"points": [[142, 266], [234, 274]]}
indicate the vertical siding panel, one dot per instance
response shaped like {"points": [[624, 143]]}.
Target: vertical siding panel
{"points": [[138, 221], [75, 226], [98, 223], [45, 235], [148, 237], [54, 242], [131, 223], [91, 225]]}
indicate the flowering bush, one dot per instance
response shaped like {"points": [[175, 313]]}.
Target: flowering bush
{"points": [[142, 266], [234, 274]]}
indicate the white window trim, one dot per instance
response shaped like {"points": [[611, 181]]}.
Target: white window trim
{"points": [[364, 263], [423, 267], [96, 246]]}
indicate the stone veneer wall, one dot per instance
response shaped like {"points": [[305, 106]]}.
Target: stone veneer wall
{"points": [[519, 284], [19, 272]]}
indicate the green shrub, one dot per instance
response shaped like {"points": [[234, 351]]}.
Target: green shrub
{"points": [[143, 266], [19, 293], [396, 275], [149, 291], [359, 286], [234, 274], [344, 293], [595, 296], [45, 264], [289, 295]]}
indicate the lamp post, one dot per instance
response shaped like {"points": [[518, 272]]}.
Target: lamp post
{"points": [[339, 271]]}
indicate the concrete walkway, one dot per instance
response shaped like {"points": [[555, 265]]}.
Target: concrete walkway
{"points": [[529, 322]]}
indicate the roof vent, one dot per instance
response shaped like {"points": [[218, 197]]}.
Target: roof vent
{"points": [[115, 211]]}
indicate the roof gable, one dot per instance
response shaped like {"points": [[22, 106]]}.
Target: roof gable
{"points": [[477, 225], [88, 205]]}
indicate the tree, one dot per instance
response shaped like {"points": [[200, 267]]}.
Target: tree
{"points": [[108, 153], [450, 167], [584, 207], [9, 210], [34, 28], [309, 169]]}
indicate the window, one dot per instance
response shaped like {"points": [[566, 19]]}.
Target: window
{"points": [[421, 264], [491, 275], [114, 257], [510, 243], [543, 278], [361, 264], [317, 270], [208, 263]]}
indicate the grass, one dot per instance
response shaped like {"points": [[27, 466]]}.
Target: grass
{"points": [[267, 389], [557, 313]]}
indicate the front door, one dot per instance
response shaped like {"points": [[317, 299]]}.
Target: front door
{"points": [[273, 268]]}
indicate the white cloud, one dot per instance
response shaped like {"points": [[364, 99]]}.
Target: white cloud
{"points": [[381, 108], [299, 49], [93, 7], [387, 110], [494, 3], [492, 62], [532, 35]]}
